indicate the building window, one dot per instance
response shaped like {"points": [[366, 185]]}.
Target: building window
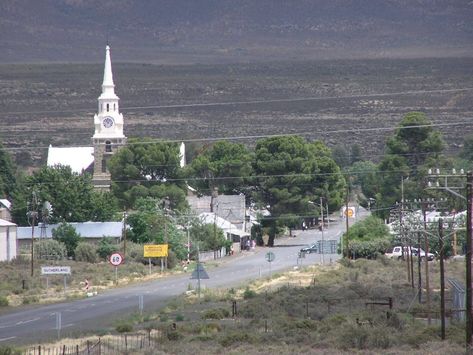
{"points": [[108, 107], [108, 146], [114, 109]]}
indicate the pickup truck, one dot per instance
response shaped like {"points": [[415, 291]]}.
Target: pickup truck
{"points": [[396, 253]]}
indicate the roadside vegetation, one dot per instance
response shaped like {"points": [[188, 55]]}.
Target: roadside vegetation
{"points": [[327, 309]]}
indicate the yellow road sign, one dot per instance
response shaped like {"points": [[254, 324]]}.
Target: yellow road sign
{"points": [[155, 250]]}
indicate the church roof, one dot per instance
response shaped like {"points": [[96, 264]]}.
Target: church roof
{"points": [[78, 158]]}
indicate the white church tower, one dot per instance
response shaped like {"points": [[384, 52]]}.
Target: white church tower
{"points": [[108, 122]]}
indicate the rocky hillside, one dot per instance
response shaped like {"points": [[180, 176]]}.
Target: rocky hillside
{"points": [[210, 31]]}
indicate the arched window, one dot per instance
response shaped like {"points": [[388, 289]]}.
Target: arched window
{"points": [[108, 146], [108, 107]]}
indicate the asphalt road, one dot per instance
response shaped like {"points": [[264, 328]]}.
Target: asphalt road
{"points": [[28, 325]]}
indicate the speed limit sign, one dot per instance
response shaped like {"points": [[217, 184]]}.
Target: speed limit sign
{"points": [[116, 259]]}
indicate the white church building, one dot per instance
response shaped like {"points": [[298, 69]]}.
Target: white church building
{"points": [[107, 139]]}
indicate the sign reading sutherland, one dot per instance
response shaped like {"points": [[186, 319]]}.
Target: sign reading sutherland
{"points": [[155, 250], [55, 270]]}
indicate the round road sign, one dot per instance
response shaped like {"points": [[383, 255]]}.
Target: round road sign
{"points": [[270, 256], [116, 259]]}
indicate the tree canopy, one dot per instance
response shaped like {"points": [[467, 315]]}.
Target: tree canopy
{"points": [[142, 166], [224, 165], [290, 172], [70, 195]]}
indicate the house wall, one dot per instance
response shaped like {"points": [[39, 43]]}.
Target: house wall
{"points": [[8, 243]]}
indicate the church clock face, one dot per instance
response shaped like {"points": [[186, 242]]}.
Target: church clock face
{"points": [[108, 122]]}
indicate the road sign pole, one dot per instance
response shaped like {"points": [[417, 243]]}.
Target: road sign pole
{"points": [[58, 324], [140, 304], [116, 274]]}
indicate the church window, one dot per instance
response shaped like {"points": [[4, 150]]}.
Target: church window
{"points": [[114, 109], [108, 146], [108, 107]]}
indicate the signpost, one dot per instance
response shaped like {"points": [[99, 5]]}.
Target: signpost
{"points": [[199, 273], [56, 270], [270, 258], [155, 251], [116, 259]]}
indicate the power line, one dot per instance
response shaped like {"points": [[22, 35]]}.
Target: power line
{"points": [[249, 102], [262, 136]]}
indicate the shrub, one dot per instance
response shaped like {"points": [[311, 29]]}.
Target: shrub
{"points": [[67, 234], [105, 248], [179, 317], [3, 301], [30, 299], [172, 260], [8, 350], [216, 313], [173, 335], [249, 294], [50, 249], [236, 337], [124, 328], [86, 252]]}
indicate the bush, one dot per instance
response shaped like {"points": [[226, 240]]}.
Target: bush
{"points": [[50, 249], [249, 294], [67, 234], [105, 248], [216, 313], [124, 328], [8, 350], [86, 252], [236, 337], [3, 301]]}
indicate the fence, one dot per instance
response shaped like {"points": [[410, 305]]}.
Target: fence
{"points": [[109, 345]]}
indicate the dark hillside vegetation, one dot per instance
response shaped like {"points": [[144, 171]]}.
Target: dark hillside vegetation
{"points": [[216, 31], [349, 101]]}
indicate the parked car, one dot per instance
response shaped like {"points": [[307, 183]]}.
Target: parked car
{"points": [[420, 252], [313, 248], [396, 253]]}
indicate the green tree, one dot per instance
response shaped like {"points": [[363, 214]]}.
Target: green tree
{"points": [[291, 172], [368, 238], [415, 140], [7, 174], [71, 196], [143, 164], [224, 165], [150, 224], [208, 236], [66, 234], [467, 149]]}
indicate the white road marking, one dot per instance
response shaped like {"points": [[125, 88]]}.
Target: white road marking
{"points": [[5, 339], [27, 321]]}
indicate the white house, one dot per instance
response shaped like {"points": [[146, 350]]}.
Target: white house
{"points": [[8, 241]]}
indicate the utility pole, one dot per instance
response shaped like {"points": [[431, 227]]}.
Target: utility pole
{"points": [[419, 273], [125, 215], [426, 247], [322, 229], [32, 215], [468, 256], [346, 219], [442, 280]]}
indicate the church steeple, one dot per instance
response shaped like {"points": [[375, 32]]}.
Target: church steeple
{"points": [[108, 87], [108, 123]]}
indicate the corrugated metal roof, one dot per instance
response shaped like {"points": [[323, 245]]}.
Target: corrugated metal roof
{"points": [[78, 158], [85, 229], [5, 203], [226, 226], [4, 223]]}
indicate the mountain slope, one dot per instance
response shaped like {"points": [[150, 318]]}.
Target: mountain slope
{"points": [[233, 30]]}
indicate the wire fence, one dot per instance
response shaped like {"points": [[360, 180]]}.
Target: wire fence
{"points": [[109, 345]]}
